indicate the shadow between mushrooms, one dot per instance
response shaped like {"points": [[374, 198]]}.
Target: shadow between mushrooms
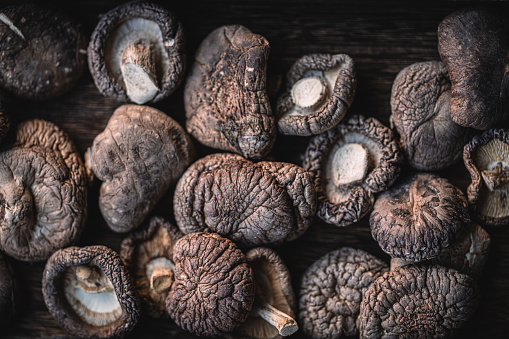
{"points": [[5, 121], [7, 292]]}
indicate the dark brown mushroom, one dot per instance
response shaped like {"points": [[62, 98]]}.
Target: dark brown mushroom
{"points": [[473, 45], [332, 289], [429, 137], [141, 152], [487, 159], [7, 292], [43, 192], [419, 217], [136, 53], [227, 106], [214, 287], [89, 292], [418, 302], [148, 254], [250, 203], [42, 53], [320, 89], [349, 164]]}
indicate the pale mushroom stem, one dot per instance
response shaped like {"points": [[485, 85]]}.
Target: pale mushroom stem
{"points": [[139, 73], [496, 177], [350, 164], [309, 92], [285, 324], [160, 274]]}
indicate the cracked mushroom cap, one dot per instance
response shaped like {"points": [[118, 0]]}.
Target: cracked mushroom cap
{"points": [[429, 137], [42, 53], [7, 291], [320, 89], [486, 158], [473, 45], [136, 53], [349, 164], [226, 102], [250, 203], [43, 192], [332, 289], [418, 302], [214, 287], [141, 152], [148, 254], [89, 292], [419, 217]]}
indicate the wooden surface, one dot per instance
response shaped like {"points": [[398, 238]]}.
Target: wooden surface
{"points": [[381, 37]]}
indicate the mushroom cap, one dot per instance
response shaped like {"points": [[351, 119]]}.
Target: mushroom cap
{"points": [[43, 192], [429, 137], [214, 286], [7, 292], [343, 205], [418, 302], [226, 102], [152, 23], [419, 217], [338, 71], [473, 45], [109, 263], [42, 53], [481, 155], [332, 289], [250, 203], [141, 152], [138, 250]]}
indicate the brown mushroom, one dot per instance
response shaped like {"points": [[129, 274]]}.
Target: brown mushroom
{"points": [[332, 289], [214, 287], [429, 137], [136, 53], [148, 254], [227, 106], [42, 53], [320, 89], [7, 292], [89, 292], [141, 152], [487, 159], [473, 45], [250, 203], [349, 164]]}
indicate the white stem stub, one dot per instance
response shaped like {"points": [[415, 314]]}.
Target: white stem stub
{"points": [[496, 175], [160, 274], [350, 164], [309, 92], [285, 324]]}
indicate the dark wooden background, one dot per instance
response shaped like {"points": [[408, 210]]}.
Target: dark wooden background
{"points": [[382, 37]]}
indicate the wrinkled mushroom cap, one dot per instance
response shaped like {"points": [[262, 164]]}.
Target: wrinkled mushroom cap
{"points": [[127, 24], [42, 53], [332, 289], [250, 203], [141, 152], [429, 137], [349, 164], [418, 302], [419, 217], [7, 291], [89, 292], [214, 286], [320, 89], [227, 106]]}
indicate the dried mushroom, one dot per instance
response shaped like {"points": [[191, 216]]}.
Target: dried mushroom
{"points": [[429, 137], [136, 53], [418, 302], [148, 254], [419, 217], [250, 203], [473, 45], [227, 106], [332, 289], [273, 312], [7, 291], [487, 159], [141, 152], [320, 89], [214, 287], [42, 192], [89, 292], [349, 164], [42, 53]]}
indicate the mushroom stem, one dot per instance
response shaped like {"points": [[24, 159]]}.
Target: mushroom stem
{"points": [[285, 324], [309, 92], [350, 164], [160, 274], [138, 70], [497, 176]]}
